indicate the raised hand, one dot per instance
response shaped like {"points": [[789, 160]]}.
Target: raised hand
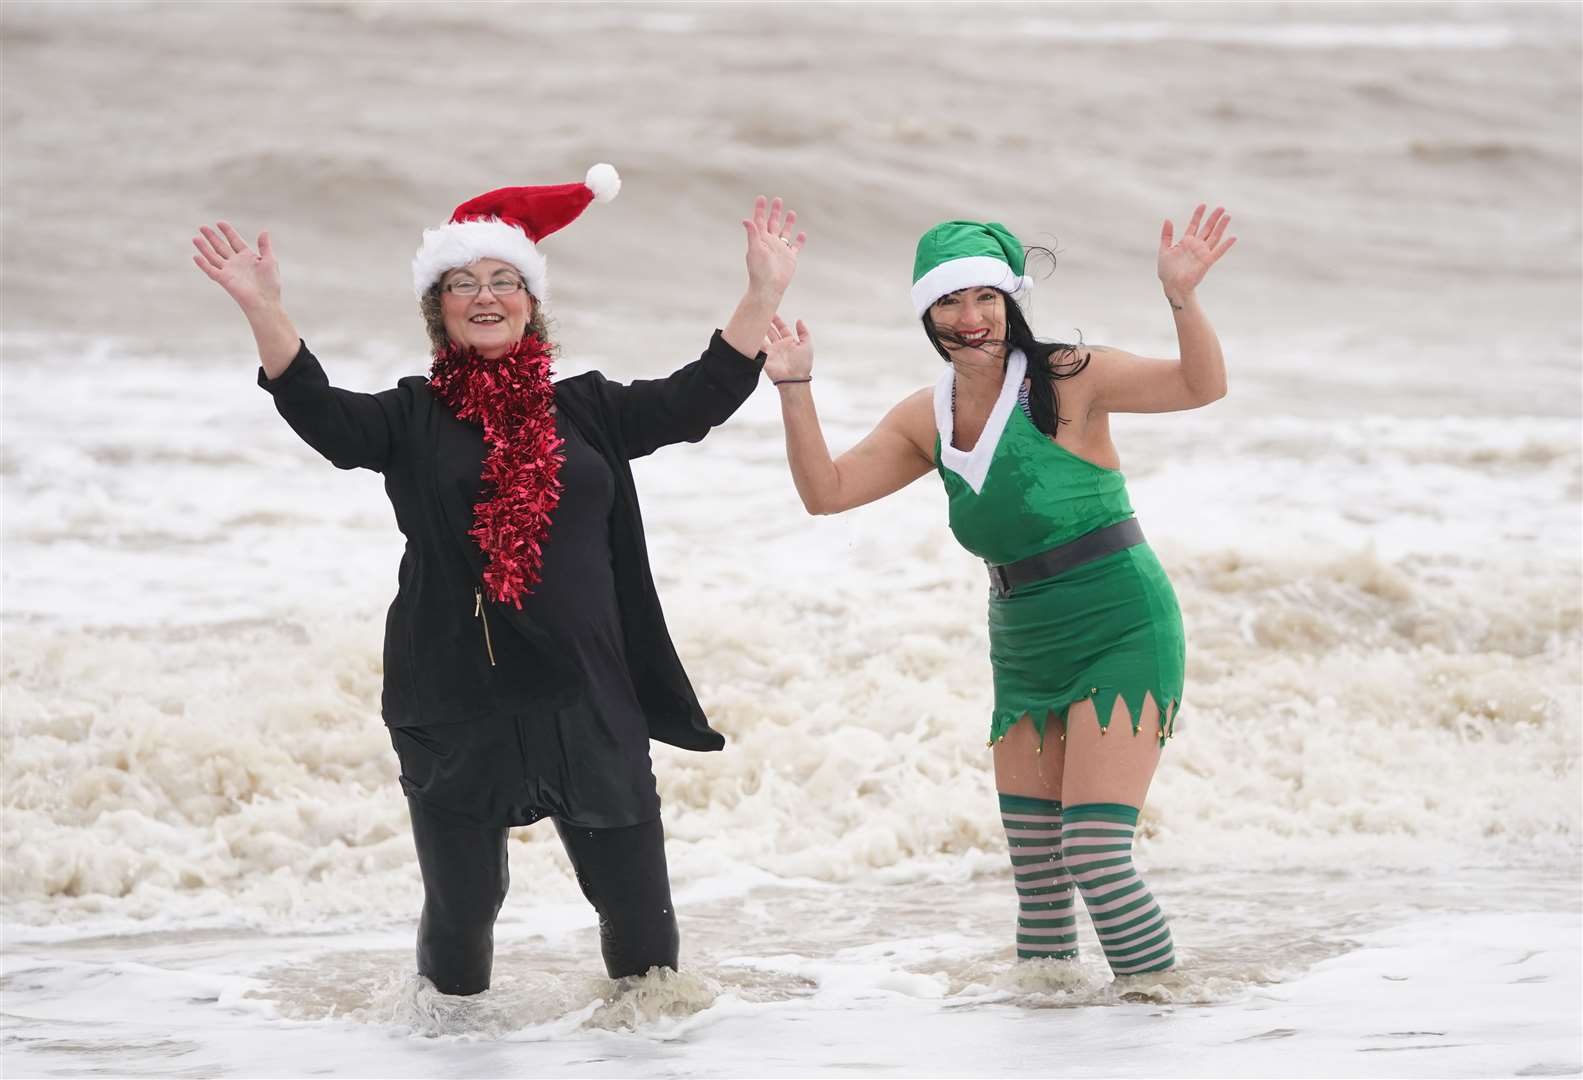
{"points": [[789, 353], [251, 279], [772, 247], [1183, 264]]}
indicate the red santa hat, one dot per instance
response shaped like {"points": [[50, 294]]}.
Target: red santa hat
{"points": [[506, 224]]}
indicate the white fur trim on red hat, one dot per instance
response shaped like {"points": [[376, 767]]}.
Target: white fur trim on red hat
{"points": [[462, 243]]}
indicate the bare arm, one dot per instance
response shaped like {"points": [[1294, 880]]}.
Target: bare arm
{"points": [[1127, 383], [889, 458]]}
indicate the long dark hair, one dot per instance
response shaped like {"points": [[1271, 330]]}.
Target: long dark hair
{"points": [[1047, 360]]}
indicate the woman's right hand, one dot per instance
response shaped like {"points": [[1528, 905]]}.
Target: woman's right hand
{"points": [[251, 279], [772, 247], [788, 352]]}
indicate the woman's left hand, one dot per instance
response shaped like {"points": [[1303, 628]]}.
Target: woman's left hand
{"points": [[772, 247], [1183, 264]]}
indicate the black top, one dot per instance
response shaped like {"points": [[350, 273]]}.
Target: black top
{"points": [[586, 765], [575, 602], [437, 669]]}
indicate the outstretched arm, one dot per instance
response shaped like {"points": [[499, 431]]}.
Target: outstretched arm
{"points": [[887, 459], [351, 430], [683, 406], [253, 281], [1127, 383]]}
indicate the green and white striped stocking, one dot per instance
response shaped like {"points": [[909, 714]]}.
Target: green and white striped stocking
{"points": [[1096, 847], [1046, 914]]}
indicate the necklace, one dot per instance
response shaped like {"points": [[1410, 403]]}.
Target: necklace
{"points": [[512, 398]]}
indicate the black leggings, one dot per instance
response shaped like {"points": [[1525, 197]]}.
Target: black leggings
{"points": [[621, 872]]}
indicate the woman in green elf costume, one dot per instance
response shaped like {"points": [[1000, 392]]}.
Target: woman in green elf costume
{"points": [[1086, 638]]}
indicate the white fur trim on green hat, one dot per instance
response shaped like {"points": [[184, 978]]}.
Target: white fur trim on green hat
{"points": [[948, 277]]}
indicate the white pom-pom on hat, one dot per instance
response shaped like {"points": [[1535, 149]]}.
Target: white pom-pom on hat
{"points": [[603, 181]]}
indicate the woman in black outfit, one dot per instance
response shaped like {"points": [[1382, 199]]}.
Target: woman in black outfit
{"points": [[527, 663]]}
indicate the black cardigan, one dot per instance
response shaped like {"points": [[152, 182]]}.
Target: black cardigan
{"points": [[437, 667]]}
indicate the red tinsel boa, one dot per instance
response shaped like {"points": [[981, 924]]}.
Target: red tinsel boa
{"points": [[512, 398]]}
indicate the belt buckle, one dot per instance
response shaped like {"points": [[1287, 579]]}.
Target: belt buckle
{"points": [[999, 585]]}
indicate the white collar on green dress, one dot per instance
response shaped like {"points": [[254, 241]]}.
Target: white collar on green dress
{"points": [[973, 465]]}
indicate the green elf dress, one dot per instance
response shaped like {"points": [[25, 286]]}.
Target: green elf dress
{"points": [[1106, 630]]}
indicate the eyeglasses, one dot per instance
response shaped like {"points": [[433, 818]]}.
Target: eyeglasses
{"points": [[501, 286]]}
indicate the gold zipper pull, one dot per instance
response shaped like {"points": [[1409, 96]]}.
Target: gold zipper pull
{"points": [[478, 613]]}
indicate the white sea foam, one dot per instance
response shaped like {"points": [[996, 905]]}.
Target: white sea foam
{"points": [[191, 703], [1435, 994]]}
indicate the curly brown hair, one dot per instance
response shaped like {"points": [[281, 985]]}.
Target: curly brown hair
{"points": [[434, 321]]}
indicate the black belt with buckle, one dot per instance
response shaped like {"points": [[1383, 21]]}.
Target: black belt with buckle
{"points": [[1067, 556]]}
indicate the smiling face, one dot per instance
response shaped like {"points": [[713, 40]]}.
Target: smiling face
{"points": [[485, 322], [970, 316]]}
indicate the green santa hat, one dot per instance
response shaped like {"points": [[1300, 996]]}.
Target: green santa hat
{"points": [[961, 254]]}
